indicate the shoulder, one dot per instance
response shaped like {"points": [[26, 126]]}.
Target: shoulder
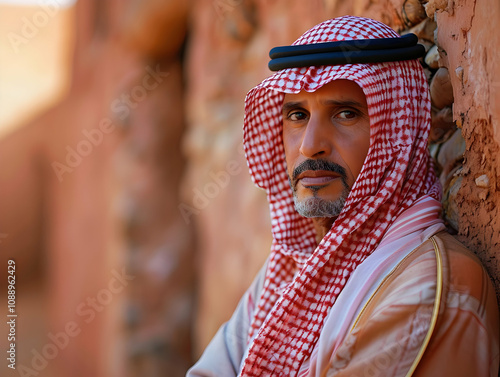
{"points": [[437, 303], [443, 257], [464, 269], [440, 265]]}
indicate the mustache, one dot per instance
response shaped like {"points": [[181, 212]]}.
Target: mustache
{"points": [[318, 165]]}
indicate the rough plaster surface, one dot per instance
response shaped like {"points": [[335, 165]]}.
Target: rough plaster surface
{"points": [[465, 33]]}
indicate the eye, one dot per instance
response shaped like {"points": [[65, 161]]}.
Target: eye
{"points": [[296, 115], [347, 114]]}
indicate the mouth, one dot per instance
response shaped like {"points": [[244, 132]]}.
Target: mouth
{"points": [[316, 178]]}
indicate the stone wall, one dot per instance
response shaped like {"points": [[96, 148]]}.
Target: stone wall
{"points": [[469, 52]]}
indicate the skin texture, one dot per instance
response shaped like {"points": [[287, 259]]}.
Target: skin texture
{"points": [[326, 137]]}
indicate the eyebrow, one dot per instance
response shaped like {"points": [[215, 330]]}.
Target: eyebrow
{"points": [[291, 105], [339, 103]]}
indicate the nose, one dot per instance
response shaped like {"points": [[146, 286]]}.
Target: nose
{"points": [[315, 139]]}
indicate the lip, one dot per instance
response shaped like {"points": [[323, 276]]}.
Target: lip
{"points": [[317, 177]]}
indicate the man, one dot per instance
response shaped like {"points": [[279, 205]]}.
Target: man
{"points": [[362, 279]]}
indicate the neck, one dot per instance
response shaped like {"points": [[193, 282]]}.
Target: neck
{"points": [[322, 226]]}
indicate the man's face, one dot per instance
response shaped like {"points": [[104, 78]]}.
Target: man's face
{"points": [[326, 136]]}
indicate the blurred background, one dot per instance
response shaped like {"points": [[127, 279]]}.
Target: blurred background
{"points": [[125, 200]]}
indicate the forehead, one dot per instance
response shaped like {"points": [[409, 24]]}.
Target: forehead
{"points": [[338, 90]]}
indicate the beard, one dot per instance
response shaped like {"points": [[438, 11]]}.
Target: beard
{"points": [[315, 206]]}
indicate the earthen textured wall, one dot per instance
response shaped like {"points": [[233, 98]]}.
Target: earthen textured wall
{"points": [[466, 35]]}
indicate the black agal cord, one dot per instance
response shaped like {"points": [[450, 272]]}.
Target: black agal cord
{"points": [[346, 52]]}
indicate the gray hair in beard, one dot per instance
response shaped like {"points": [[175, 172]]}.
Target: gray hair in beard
{"points": [[317, 207]]}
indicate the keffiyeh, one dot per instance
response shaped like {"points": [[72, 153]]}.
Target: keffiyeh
{"points": [[304, 279]]}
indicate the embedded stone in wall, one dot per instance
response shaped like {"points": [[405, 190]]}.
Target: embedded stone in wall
{"points": [[413, 12], [441, 89], [432, 57], [450, 202], [442, 125]]}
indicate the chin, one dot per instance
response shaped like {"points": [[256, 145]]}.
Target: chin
{"points": [[314, 206]]}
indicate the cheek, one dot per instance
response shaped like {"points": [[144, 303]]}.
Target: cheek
{"points": [[290, 152]]}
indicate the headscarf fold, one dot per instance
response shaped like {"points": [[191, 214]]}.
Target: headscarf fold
{"points": [[303, 279]]}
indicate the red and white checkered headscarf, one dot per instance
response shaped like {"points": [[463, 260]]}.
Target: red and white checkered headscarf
{"points": [[303, 280]]}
